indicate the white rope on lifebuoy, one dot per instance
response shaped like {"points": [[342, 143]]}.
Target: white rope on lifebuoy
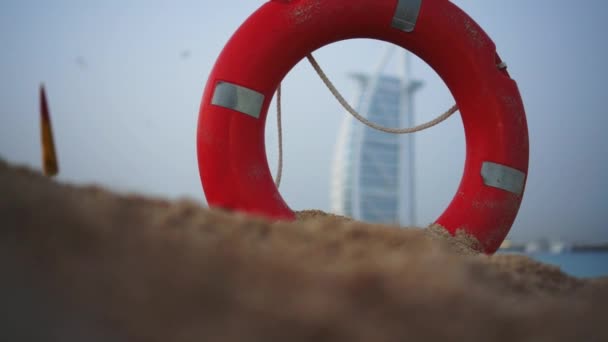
{"points": [[355, 114], [277, 180]]}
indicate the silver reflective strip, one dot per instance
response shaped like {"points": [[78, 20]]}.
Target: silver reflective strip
{"points": [[406, 15], [235, 97], [503, 177]]}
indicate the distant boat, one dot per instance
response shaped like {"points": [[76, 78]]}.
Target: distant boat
{"points": [[532, 247], [545, 246], [558, 247]]}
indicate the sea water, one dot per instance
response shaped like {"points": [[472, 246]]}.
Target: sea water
{"points": [[578, 264]]}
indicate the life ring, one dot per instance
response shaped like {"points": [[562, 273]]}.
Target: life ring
{"points": [[230, 140]]}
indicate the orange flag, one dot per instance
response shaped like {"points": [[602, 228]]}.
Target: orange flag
{"points": [[49, 157]]}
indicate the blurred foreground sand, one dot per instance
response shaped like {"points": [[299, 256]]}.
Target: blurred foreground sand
{"points": [[83, 264]]}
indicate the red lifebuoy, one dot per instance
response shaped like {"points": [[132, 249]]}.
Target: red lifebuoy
{"points": [[231, 151]]}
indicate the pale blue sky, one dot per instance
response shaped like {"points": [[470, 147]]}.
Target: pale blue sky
{"points": [[126, 117]]}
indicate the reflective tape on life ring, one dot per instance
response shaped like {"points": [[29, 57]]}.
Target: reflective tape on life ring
{"points": [[230, 139]]}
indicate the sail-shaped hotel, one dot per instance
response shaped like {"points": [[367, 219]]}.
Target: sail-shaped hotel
{"points": [[373, 171]]}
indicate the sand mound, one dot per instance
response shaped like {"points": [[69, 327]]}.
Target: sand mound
{"points": [[83, 264]]}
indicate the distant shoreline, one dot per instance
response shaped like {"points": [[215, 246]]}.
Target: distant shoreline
{"points": [[555, 247]]}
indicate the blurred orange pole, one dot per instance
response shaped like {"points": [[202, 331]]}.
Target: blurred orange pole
{"points": [[49, 157]]}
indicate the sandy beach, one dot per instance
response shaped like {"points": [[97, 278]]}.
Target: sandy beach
{"points": [[84, 264]]}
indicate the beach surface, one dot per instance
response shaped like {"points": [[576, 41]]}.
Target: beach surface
{"points": [[84, 264]]}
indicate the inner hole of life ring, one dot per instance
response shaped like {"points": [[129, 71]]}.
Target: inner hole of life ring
{"points": [[321, 140]]}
